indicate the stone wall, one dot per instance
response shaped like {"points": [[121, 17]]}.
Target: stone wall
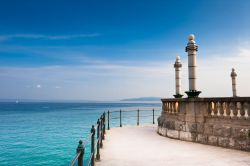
{"points": [[214, 121]]}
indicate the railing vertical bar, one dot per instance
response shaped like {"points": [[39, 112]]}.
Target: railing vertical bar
{"points": [[103, 126], [80, 149], [101, 144], [120, 118], [98, 141], [108, 120], [138, 114], [93, 146], [153, 116]]}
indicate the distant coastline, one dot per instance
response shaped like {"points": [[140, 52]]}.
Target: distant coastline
{"points": [[143, 99], [130, 100]]}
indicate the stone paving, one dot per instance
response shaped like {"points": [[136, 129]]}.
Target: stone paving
{"points": [[142, 146]]}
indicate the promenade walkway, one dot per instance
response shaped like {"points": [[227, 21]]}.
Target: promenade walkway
{"points": [[142, 146]]}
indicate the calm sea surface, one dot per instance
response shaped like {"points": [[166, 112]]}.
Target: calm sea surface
{"points": [[48, 133]]}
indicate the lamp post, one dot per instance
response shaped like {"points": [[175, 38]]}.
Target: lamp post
{"points": [[192, 49], [233, 76], [177, 66]]}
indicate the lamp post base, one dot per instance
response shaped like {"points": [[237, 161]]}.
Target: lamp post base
{"points": [[178, 96], [193, 93]]}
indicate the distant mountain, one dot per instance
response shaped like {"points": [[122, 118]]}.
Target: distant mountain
{"points": [[143, 99]]}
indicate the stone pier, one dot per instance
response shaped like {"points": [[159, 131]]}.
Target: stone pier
{"points": [[221, 122]]}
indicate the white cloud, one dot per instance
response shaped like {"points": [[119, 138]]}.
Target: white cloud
{"points": [[48, 37], [106, 81], [38, 86]]}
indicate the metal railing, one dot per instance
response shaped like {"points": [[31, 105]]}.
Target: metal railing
{"points": [[100, 130]]}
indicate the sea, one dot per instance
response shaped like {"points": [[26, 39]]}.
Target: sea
{"points": [[45, 133]]}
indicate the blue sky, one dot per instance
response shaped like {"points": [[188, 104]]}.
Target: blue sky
{"points": [[108, 50]]}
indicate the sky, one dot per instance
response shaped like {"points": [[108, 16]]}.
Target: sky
{"points": [[116, 49]]}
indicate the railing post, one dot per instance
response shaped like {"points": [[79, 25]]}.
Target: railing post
{"points": [[93, 146], [153, 116], [138, 115], [108, 121], [120, 118], [104, 122], [98, 141], [80, 148], [101, 124]]}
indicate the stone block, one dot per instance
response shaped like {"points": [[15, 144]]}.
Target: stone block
{"points": [[231, 142], [169, 124], [208, 129], [239, 134], [173, 134], [178, 125], [202, 138], [241, 144], [162, 131], [200, 127], [212, 140], [188, 136], [191, 127], [223, 141], [185, 136], [223, 131]]}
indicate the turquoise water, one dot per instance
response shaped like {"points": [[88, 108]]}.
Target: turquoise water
{"points": [[48, 133]]}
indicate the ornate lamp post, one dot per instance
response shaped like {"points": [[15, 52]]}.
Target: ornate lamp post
{"points": [[192, 49], [233, 76], [177, 67]]}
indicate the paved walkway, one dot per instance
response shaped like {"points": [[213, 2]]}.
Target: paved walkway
{"points": [[142, 146]]}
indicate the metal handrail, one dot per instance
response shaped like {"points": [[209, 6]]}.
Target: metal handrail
{"points": [[100, 128], [76, 158]]}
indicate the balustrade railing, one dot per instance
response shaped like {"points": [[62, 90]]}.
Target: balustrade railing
{"points": [[232, 107], [97, 133], [236, 107]]}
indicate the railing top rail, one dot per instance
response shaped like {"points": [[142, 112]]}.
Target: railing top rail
{"points": [[207, 99], [75, 159], [134, 110]]}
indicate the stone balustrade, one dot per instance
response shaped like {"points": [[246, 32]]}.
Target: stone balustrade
{"points": [[231, 107], [216, 121]]}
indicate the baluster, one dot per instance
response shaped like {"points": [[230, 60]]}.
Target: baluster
{"points": [[213, 108], [224, 109], [221, 109], [210, 108], [238, 108], [218, 108], [231, 108], [234, 108], [169, 111], [172, 107], [248, 109], [245, 107], [227, 109], [178, 107], [242, 110], [166, 105]]}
